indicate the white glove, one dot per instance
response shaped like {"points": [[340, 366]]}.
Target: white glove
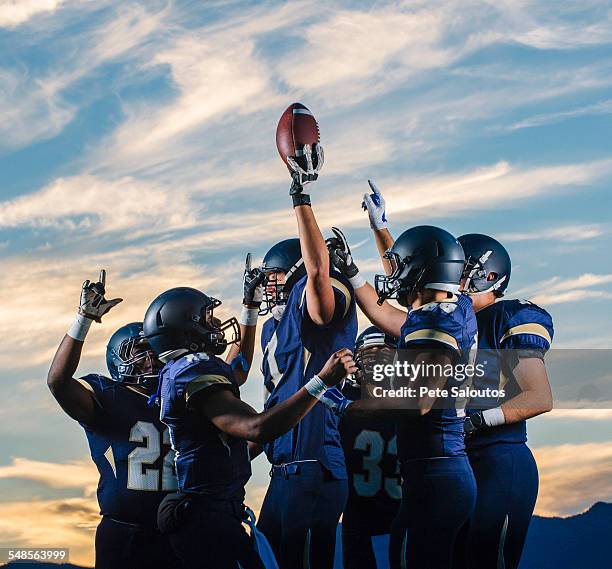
{"points": [[374, 204], [93, 305]]}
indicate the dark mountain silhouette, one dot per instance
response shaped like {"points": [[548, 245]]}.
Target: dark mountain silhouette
{"points": [[577, 542]]}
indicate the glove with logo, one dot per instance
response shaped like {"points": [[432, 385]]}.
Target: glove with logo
{"points": [[374, 204]]}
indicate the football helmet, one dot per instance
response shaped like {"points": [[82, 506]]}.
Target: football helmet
{"points": [[372, 346], [487, 264], [284, 257], [422, 257], [130, 359], [181, 320]]}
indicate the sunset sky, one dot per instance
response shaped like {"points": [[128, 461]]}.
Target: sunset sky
{"points": [[139, 137]]}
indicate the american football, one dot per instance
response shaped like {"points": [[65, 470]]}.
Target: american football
{"points": [[298, 131]]}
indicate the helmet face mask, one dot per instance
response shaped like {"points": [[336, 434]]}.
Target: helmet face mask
{"points": [[282, 266], [375, 350], [131, 360], [212, 331], [276, 292], [487, 266], [403, 282], [423, 257], [181, 321], [139, 364]]}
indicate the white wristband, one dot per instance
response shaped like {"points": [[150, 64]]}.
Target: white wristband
{"points": [[316, 387], [248, 316], [357, 281], [79, 327], [494, 417]]}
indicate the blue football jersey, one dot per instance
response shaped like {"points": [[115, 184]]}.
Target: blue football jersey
{"points": [[450, 324], [295, 349], [208, 461], [370, 450], [131, 449], [506, 325]]}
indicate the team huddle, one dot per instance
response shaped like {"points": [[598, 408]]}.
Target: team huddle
{"points": [[453, 484]]}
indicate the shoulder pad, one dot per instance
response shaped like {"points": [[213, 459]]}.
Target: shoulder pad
{"points": [[441, 322], [526, 325], [96, 384]]}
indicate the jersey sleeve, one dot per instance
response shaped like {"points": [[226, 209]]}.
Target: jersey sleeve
{"points": [[98, 386], [437, 325], [527, 327], [200, 376], [95, 385], [343, 297]]}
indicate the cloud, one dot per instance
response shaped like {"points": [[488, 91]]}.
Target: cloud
{"points": [[600, 108], [137, 274], [567, 233], [33, 103], [349, 51], [568, 485], [557, 290], [30, 108], [68, 523], [101, 206], [77, 474], [579, 414], [16, 12]]}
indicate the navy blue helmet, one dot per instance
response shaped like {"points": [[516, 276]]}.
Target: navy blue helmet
{"points": [[421, 257], [130, 359], [285, 257], [372, 346], [487, 264], [181, 321]]}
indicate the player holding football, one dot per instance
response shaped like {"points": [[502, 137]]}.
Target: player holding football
{"points": [[128, 443], [513, 337], [210, 426], [313, 315], [370, 450], [438, 487]]}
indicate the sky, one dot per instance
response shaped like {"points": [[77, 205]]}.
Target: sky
{"points": [[139, 137]]}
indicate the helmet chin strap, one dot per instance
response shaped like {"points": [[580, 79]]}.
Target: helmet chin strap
{"points": [[492, 288], [165, 357], [446, 287], [278, 310]]}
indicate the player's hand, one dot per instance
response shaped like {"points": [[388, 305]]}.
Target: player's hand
{"points": [[473, 422], [314, 158], [338, 366], [335, 401], [340, 254], [93, 305], [253, 280], [374, 204]]}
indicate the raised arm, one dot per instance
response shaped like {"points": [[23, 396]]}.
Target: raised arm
{"points": [[240, 356], [74, 398], [320, 298], [236, 418], [384, 316], [374, 204]]}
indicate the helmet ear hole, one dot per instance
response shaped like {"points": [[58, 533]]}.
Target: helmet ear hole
{"points": [[492, 276]]}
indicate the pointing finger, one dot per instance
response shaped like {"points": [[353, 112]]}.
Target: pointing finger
{"points": [[374, 187]]}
